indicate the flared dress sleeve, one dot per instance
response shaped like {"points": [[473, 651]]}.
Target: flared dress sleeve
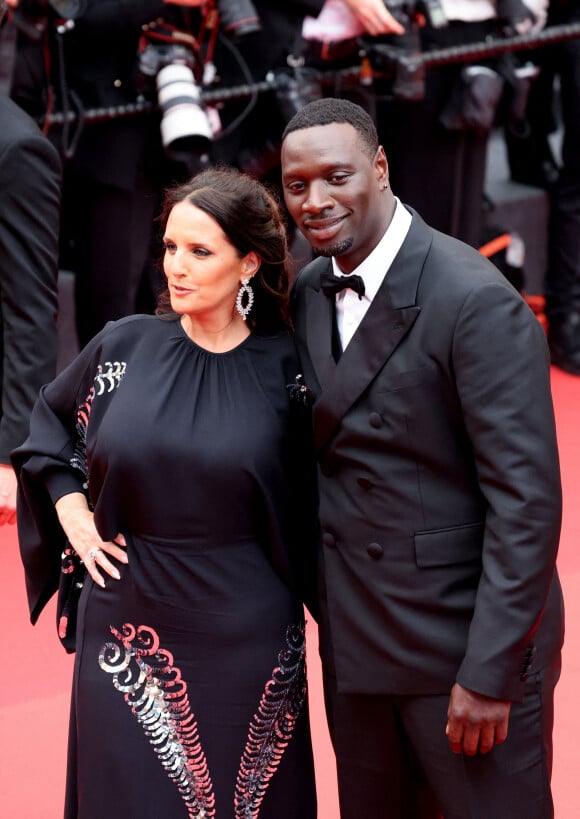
{"points": [[51, 463]]}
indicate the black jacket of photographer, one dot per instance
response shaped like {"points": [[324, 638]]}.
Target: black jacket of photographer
{"points": [[91, 66]]}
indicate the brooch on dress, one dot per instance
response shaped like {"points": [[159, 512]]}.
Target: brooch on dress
{"points": [[299, 392]]}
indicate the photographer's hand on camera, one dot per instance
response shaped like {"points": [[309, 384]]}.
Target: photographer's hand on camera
{"points": [[374, 17]]}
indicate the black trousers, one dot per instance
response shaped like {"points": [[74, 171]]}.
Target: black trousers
{"points": [[110, 230], [394, 761]]}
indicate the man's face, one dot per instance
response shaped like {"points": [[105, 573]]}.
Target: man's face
{"points": [[333, 191]]}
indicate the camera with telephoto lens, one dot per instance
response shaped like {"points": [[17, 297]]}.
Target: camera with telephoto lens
{"points": [[167, 59], [238, 18]]}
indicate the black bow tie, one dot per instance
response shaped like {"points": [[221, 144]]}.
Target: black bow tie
{"points": [[331, 284]]}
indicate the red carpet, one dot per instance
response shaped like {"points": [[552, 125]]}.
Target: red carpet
{"points": [[36, 672]]}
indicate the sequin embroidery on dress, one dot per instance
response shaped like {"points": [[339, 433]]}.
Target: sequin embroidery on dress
{"points": [[157, 695], [108, 377], [273, 725]]}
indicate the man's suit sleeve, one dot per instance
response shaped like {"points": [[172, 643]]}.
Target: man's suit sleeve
{"points": [[30, 173], [502, 373]]}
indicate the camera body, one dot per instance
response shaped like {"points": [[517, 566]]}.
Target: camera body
{"points": [[156, 55]]}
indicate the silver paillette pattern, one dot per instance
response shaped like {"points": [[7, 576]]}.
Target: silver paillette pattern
{"points": [[79, 458], [157, 695], [153, 688], [272, 725], [108, 377]]}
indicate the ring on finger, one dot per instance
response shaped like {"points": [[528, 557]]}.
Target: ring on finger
{"points": [[92, 554]]}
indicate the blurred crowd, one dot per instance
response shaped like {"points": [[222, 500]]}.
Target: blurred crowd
{"points": [[136, 95]]}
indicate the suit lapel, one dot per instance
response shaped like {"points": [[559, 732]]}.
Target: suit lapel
{"points": [[389, 318], [319, 319]]}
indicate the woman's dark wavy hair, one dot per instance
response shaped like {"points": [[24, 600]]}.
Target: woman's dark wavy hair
{"points": [[250, 215]]}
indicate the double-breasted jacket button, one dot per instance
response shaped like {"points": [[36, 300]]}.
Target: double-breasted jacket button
{"points": [[329, 540], [375, 420], [363, 482], [375, 550]]}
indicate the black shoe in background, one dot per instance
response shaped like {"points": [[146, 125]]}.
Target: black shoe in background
{"points": [[564, 342]]}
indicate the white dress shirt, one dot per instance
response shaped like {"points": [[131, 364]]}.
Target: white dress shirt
{"points": [[350, 310]]}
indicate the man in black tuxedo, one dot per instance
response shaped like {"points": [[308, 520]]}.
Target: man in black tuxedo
{"points": [[30, 175], [441, 617]]}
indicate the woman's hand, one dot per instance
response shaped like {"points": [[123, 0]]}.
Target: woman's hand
{"points": [[78, 523]]}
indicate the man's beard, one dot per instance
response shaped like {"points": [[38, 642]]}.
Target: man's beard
{"points": [[334, 250]]}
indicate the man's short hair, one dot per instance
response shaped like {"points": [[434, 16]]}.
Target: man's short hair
{"points": [[329, 110]]}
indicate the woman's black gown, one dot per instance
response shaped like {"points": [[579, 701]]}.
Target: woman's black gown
{"points": [[189, 695]]}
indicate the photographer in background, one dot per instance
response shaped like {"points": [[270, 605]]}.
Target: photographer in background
{"points": [[435, 121], [30, 177], [554, 105], [252, 129], [437, 151], [113, 169], [563, 274], [269, 50]]}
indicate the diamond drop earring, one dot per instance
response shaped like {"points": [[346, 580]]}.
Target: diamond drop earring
{"points": [[245, 290]]}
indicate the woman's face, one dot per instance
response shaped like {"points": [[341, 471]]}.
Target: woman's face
{"points": [[202, 267]]}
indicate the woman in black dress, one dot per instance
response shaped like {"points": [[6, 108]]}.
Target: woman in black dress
{"points": [[169, 463]]}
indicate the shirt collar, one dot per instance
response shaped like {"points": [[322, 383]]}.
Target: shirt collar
{"points": [[374, 268]]}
